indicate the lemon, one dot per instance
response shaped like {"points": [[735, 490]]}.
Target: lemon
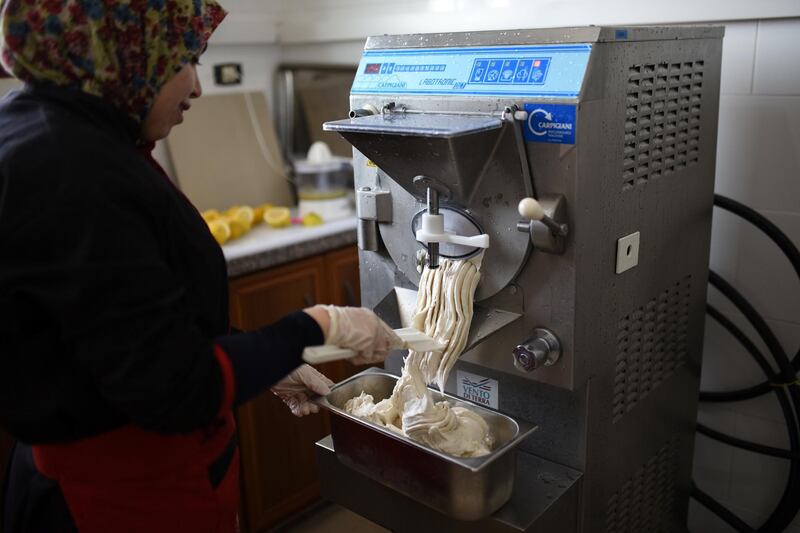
{"points": [[211, 214], [312, 219], [220, 230], [259, 211], [243, 214], [277, 217], [238, 228]]}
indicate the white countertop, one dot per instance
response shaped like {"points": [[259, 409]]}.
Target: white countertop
{"points": [[263, 238]]}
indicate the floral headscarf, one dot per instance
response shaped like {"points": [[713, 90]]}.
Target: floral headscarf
{"points": [[121, 50]]}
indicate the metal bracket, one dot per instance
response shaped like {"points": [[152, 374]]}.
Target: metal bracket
{"points": [[372, 207], [514, 114]]}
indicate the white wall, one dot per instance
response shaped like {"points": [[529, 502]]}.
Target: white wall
{"points": [[758, 163], [330, 20]]}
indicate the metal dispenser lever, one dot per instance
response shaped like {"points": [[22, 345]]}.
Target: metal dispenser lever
{"points": [[545, 222]]}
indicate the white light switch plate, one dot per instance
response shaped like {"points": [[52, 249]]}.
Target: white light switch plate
{"points": [[627, 252]]}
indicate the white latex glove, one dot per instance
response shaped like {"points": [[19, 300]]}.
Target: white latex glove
{"points": [[299, 386], [359, 329]]}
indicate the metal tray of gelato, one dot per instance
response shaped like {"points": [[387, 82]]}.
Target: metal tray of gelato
{"points": [[466, 488]]}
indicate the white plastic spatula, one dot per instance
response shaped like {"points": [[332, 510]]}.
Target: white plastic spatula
{"points": [[413, 339]]}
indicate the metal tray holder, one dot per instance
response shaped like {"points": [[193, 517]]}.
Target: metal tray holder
{"points": [[463, 488]]}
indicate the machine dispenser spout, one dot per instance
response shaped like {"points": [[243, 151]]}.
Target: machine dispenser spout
{"points": [[432, 232]]}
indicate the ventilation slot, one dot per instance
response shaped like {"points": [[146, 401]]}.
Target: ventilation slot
{"points": [[662, 120], [645, 501], [651, 344]]}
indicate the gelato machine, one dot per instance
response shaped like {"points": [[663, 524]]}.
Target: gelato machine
{"points": [[580, 163]]}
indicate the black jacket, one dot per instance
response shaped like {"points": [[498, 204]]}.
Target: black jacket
{"points": [[113, 292]]}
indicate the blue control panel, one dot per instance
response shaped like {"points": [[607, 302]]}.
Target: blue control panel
{"points": [[555, 71]]}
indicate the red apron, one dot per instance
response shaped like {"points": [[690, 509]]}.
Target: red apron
{"points": [[133, 481]]}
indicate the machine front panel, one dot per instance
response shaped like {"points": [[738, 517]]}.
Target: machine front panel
{"points": [[554, 71], [627, 141]]}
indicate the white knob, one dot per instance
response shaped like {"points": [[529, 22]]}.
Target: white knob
{"points": [[531, 209]]}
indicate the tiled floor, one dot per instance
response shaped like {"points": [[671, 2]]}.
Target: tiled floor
{"points": [[331, 519]]}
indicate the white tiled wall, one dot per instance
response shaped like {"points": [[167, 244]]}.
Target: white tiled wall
{"points": [[758, 163]]}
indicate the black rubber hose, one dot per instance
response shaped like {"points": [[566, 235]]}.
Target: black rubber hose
{"points": [[783, 400], [764, 224], [755, 353], [764, 332], [721, 511], [789, 505], [792, 254], [786, 378], [746, 445], [783, 508]]}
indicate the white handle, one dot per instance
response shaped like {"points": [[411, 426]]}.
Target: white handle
{"points": [[413, 339], [316, 355], [432, 230], [531, 209]]}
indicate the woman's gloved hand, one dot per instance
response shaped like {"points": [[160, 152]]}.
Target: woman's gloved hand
{"points": [[359, 329], [299, 386]]}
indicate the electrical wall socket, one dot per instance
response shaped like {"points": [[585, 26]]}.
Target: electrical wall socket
{"points": [[228, 74]]}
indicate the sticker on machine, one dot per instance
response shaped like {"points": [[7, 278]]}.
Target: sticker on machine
{"points": [[478, 389], [550, 123]]}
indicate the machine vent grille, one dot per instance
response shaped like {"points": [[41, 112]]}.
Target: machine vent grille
{"points": [[662, 120], [651, 344], [646, 501]]}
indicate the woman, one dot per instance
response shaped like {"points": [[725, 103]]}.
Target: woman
{"points": [[118, 373]]}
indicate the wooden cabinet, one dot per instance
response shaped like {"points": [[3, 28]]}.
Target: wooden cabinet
{"points": [[279, 471], [342, 277]]}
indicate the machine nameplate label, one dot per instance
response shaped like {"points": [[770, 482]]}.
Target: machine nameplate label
{"points": [[555, 71], [478, 389], [550, 123]]}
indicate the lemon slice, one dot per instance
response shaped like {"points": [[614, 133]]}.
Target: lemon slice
{"points": [[259, 211], [244, 214], [220, 230], [211, 214], [238, 228], [312, 219], [277, 217]]}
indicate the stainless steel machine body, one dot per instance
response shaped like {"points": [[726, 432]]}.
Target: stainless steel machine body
{"points": [[589, 322]]}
